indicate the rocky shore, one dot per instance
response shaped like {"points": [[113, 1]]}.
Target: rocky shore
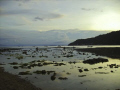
{"points": [[14, 82], [109, 52]]}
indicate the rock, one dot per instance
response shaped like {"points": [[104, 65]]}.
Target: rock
{"points": [[95, 60], [81, 75], [80, 70], [13, 63], [86, 70], [63, 78], [25, 73], [15, 67]]}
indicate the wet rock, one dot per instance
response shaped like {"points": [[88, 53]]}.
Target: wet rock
{"points": [[59, 64], [100, 67], [110, 66], [70, 62], [95, 60], [25, 73], [68, 73], [48, 72], [38, 61], [63, 78], [113, 66], [13, 63], [101, 72], [117, 89], [25, 64], [43, 72], [74, 62], [81, 75], [111, 71], [53, 77], [68, 56], [33, 56], [86, 70], [38, 72], [15, 67], [2, 64], [24, 52], [29, 67], [19, 57], [80, 70], [39, 64]]}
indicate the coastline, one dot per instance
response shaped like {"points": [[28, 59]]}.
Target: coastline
{"points": [[13, 82], [113, 52]]}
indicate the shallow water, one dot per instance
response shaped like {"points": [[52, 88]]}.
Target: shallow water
{"points": [[63, 65]]}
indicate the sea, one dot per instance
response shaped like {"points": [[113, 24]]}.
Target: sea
{"points": [[61, 67]]}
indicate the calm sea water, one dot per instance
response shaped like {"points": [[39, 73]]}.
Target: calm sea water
{"points": [[60, 68], [82, 46]]}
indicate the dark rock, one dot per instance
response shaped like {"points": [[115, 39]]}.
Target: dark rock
{"points": [[63, 78], [80, 70], [25, 73], [15, 67], [86, 70], [81, 75], [95, 60]]}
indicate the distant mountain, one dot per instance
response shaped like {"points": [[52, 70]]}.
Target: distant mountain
{"points": [[112, 38], [41, 38]]}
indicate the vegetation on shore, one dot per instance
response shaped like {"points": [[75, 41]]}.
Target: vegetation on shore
{"points": [[111, 38]]}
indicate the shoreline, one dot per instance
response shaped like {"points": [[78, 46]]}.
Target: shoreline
{"points": [[113, 52], [14, 82]]}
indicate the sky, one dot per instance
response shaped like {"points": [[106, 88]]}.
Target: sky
{"points": [[60, 14], [49, 15]]}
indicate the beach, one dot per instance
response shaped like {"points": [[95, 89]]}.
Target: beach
{"points": [[13, 82]]}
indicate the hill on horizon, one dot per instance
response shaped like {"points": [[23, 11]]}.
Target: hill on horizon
{"points": [[43, 38], [112, 38]]}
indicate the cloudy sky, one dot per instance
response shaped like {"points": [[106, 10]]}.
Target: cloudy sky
{"points": [[47, 15]]}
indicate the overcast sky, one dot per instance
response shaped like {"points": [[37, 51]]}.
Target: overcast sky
{"points": [[45, 15], [56, 22]]}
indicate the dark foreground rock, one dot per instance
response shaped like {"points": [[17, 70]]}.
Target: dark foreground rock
{"points": [[14, 82]]}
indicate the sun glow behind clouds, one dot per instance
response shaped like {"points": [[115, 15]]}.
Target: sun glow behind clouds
{"points": [[110, 21]]}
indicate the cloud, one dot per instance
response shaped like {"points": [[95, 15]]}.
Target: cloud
{"points": [[23, 0], [38, 18], [26, 20], [92, 9], [48, 16], [54, 16], [87, 9], [41, 15], [16, 12]]}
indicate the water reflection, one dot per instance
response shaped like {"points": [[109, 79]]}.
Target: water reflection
{"points": [[53, 77]]}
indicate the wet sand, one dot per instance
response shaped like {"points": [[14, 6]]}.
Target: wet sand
{"points": [[13, 82]]}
